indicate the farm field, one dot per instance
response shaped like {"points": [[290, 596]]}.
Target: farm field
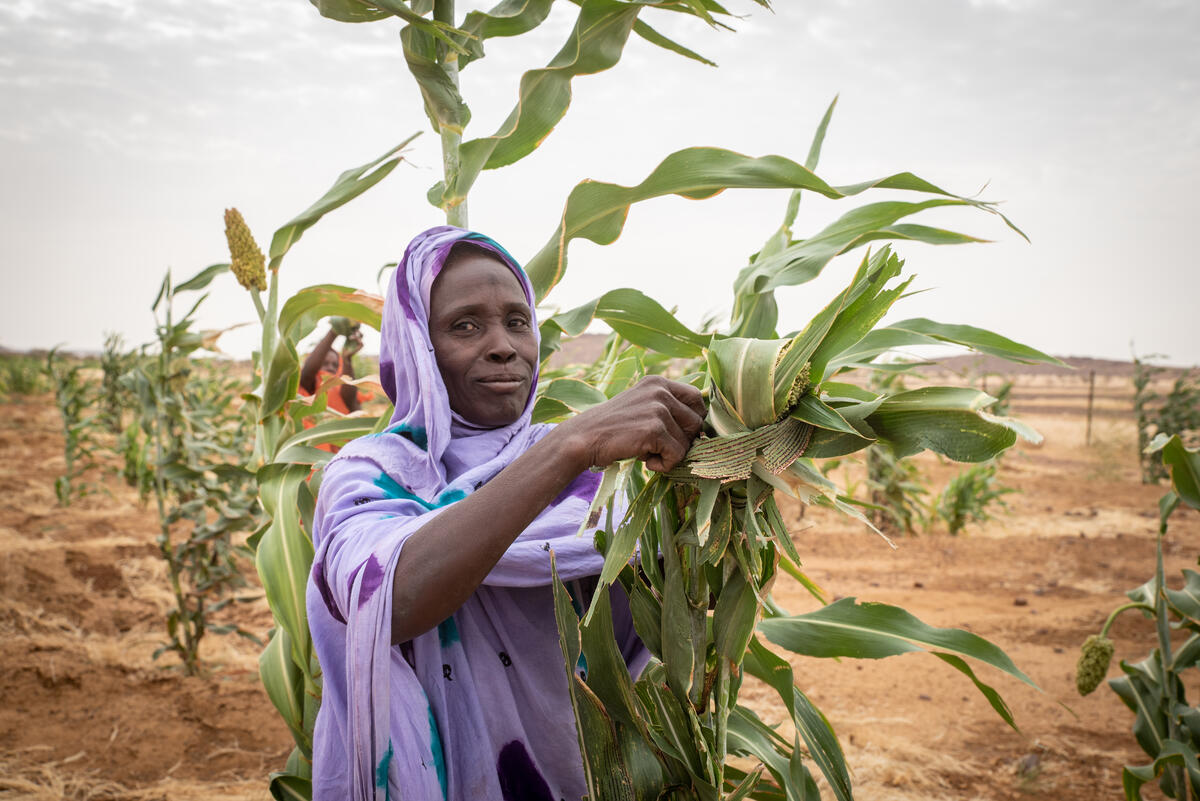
{"points": [[88, 715]]}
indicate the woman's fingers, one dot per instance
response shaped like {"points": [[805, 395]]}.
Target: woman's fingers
{"points": [[671, 446]]}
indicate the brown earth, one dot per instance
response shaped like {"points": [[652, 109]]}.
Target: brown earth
{"points": [[88, 714]]}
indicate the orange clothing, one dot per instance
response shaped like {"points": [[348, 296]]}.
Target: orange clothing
{"points": [[333, 400]]}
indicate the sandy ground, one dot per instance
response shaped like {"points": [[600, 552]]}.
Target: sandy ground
{"points": [[89, 715]]}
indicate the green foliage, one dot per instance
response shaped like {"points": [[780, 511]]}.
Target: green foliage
{"points": [[193, 440], [896, 486], [115, 398], [715, 521], [76, 399], [1166, 726], [971, 496], [21, 375], [1177, 412]]}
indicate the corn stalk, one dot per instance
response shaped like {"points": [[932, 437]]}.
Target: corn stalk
{"points": [[75, 398]]}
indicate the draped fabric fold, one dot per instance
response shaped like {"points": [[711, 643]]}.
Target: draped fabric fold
{"points": [[477, 708]]}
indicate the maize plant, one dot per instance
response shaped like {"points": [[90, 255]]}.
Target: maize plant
{"points": [[75, 398], [697, 549], [969, 495], [114, 397], [1178, 412], [203, 495], [1166, 726], [776, 404], [20, 375]]}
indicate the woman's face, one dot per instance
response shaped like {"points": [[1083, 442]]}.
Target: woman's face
{"points": [[483, 338]]}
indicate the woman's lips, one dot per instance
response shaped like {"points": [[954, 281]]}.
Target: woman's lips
{"points": [[503, 383]]}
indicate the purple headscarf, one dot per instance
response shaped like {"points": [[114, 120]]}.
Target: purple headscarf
{"points": [[476, 709]]}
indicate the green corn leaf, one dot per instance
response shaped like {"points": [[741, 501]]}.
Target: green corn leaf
{"points": [[946, 420], [805, 343], [349, 185], [200, 280], [594, 45], [655, 38], [734, 617], [620, 550], [607, 675], [596, 211], [303, 310], [362, 11], [1140, 690], [645, 322], [814, 411], [443, 104], [507, 18], [873, 631], [805, 260], [284, 682], [679, 648], [977, 339], [337, 431], [280, 379], [1183, 465], [709, 489], [811, 725], [749, 736], [604, 766], [288, 787], [349, 10], [669, 724], [744, 372], [1172, 753], [284, 555], [857, 318], [1186, 601], [988, 691], [573, 393], [647, 614]]}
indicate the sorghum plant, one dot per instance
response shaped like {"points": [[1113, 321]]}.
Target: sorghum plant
{"points": [[1166, 726], [196, 447]]}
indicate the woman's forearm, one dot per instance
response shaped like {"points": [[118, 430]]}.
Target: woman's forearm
{"points": [[444, 561]]}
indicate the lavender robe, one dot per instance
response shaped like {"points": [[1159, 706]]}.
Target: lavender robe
{"points": [[476, 709]]}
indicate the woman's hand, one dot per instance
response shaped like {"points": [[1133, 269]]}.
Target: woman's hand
{"points": [[352, 345], [655, 421]]}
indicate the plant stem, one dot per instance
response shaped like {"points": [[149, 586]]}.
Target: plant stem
{"points": [[443, 11], [1112, 618], [1166, 688]]}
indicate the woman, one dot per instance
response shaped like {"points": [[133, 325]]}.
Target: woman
{"points": [[436, 537]]}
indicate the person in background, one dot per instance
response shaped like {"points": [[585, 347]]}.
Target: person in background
{"points": [[324, 362]]}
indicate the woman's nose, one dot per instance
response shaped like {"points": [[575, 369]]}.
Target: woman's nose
{"points": [[499, 347]]}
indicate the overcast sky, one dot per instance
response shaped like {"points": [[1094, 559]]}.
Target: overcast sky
{"points": [[127, 126]]}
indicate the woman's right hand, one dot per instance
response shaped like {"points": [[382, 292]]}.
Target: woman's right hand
{"points": [[655, 421]]}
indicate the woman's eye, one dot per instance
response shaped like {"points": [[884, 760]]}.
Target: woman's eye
{"points": [[464, 325], [518, 322]]}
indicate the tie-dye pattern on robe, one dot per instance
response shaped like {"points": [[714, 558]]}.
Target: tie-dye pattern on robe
{"points": [[477, 709]]}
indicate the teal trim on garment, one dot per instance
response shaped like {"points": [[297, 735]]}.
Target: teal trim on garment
{"points": [[439, 758], [478, 237], [381, 771], [392, 489], [418, 435], [447, 632]]}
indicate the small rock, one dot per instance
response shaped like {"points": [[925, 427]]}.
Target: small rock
{"points": [[918, 585], [1058, 650], [924, 697], [1020, 602]]}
